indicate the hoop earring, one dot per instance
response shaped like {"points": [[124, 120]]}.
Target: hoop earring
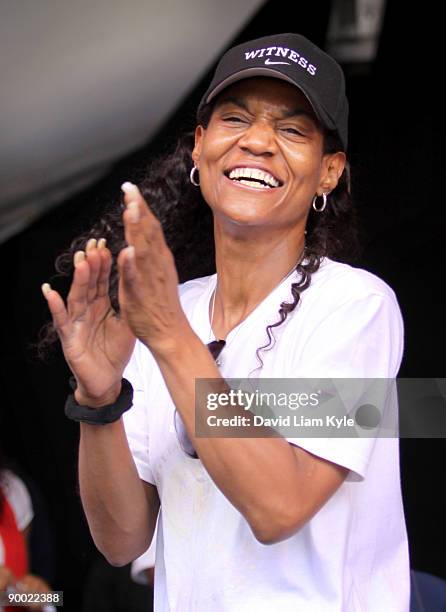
{"points": [[322, 208], [192, 178]]}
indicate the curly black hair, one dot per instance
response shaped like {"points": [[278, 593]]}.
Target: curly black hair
{"points": [[187, 222]]}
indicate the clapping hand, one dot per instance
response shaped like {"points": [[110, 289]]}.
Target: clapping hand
{"points": [[96, 341], [148, 280]]}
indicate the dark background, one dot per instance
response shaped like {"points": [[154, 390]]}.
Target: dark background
{"points": [[390, 151]]}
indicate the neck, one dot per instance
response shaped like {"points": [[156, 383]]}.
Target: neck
{"points": [[246, 275]]}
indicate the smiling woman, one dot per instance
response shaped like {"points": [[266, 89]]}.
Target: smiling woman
{"points": [[266, 125], [282, 522]]}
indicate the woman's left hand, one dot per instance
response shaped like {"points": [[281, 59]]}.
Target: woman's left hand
{"points": [[148, 280]]}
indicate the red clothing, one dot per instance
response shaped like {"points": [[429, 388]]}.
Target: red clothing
{"points": [[16, 555]]}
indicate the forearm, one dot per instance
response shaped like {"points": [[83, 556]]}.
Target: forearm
{"points": [[257, 475], [117, 509]]}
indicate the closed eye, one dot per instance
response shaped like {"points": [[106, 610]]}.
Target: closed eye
{"points": [[293, 131]]}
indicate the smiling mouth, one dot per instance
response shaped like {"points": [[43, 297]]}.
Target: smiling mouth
{"points": [[254, 179]]}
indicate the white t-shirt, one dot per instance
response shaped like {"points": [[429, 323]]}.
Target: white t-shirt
{"points": [[353, 554]]}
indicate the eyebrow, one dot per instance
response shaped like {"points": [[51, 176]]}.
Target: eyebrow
{"points": [[296, 112]]}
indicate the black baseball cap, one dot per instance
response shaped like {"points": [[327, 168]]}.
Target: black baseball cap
{"points": [[295, 59]]}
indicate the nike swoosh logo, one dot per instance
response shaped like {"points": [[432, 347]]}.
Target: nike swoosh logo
{"points": [[270, 63]]}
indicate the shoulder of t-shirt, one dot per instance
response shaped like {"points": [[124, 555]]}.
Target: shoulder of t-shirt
{"points": [[349, 282], [18, 497], [191, 290]]}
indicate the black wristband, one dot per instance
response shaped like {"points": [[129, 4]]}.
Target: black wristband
{"points": [[105, 414]]}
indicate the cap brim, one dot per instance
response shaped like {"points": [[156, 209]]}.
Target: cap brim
{"points": [[271, 72]]}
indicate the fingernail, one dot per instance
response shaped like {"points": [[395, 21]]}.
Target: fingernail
{"points": [[133, 209], [131, 251], [91, 244], [127, 186], [78, 257], [46, 288], [101, 243]]}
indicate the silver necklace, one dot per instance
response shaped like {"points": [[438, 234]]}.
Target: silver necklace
{"points": [[218, 361]]}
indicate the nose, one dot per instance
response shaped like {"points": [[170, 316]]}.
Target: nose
{"points": [[259, 139]]}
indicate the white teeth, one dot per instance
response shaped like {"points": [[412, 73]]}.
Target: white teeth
{"points": [[254, 173], [253, 184]]}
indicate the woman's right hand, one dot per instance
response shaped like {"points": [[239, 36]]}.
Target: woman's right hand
{"points": [[97, 344]]}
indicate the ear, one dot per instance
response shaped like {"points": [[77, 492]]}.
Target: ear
{"points": [[333, 165], [196, 153]]}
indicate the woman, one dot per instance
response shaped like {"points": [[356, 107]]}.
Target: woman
{"points": [[246, 523]]}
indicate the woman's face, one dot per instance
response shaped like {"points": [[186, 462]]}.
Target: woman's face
{"points": [[265, 124]]}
